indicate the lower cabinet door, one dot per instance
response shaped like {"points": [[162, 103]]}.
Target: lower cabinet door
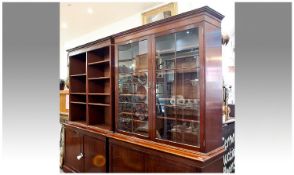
{"points": [[73, 150], [95, 157], [124, 159], [162, 165]]}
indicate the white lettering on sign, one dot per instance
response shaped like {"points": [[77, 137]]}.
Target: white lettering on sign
{"points": [[230, 168], [229, 141], [229, 156]]}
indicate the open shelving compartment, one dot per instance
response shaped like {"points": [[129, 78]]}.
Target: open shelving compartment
{"points": [[99, 88], [77, 74]]}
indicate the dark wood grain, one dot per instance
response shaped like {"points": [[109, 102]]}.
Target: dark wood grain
{"points": [[142, 159], [95, 154], [213, 87], [73, 147], [125, 160]]}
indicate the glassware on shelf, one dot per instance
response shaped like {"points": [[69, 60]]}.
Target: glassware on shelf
{"points": [[133, 87], [177, 87]]}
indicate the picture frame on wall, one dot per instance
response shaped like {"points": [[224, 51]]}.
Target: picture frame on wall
{"points": [[159, 13]]}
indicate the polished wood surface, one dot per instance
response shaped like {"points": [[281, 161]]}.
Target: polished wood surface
{"points": [[95, 158], [126, 157], [123, 159], [186, 153], [158, 164], [122, 147], [73, 147], [213, 87], [91, 146], [94, 110]]}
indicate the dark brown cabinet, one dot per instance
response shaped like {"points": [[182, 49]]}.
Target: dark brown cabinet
{"points": [[84, 153], [169, 81], [154, 92]]}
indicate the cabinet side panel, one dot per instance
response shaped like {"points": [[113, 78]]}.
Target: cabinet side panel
{"points": [[213, 87]]}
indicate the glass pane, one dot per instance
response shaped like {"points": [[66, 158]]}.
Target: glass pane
{"points": [[165, 52], [186, 133], [177, 87], [140, 56], [165, 94], [140, 127], [187, 86], [125, 58], [125, 84], [187, 49], [125, 122], [133, 87], [164, 128]]}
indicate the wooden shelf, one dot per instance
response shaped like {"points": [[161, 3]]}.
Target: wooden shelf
{"points": [[125, 60], [99, 62], [177, 57], [178, 119], [137, 95], [179, 70], [127, 113], [169, 51], [78, 102], [99, 78], [132, 102], [139, 121], [78, 75], [78, 93], [167, 118], [131, 113], [99, 104], [98, 93], [134, 72]]}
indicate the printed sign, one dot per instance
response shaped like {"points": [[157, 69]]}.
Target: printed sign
{"points": [[229, 144]]}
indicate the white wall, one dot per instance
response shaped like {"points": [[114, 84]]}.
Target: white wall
{"points": [[225, 8]]}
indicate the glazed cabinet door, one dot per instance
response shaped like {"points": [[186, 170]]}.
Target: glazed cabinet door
{"points": [[73, 150], [133, 59], [95, 157], [177, 79]]}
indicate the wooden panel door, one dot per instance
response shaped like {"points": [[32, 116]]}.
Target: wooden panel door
{"points": [[124, 159], [159, 164], [95, 156], [73, 148]]}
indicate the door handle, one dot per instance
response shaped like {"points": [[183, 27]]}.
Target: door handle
{"points": [[80, 156]]}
